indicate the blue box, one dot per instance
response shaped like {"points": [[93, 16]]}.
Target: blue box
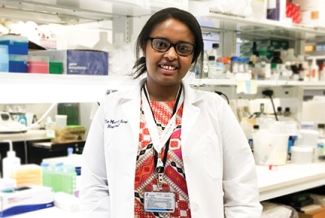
{"points": [[17, 63], [17, 45], [81, 62], [4, 58]]}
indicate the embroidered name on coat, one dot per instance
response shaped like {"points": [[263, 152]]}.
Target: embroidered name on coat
{"points": [[115, 123]]}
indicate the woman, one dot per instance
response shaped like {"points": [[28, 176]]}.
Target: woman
{"points": [[164, 149]]}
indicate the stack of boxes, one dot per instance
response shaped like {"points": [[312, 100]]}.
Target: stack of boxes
{"points": [[271, 45], [293, 12], [247, 49], [17, 50]]}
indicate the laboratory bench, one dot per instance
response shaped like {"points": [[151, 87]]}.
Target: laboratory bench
{"points": [[275, 182]]}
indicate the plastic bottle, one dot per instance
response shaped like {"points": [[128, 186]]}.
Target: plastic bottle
{"points": [[306, 71], [214, 52], [275, 74], [314, 71], [212, 74], [322, 72], [260, 65], [9, 162], [205, 70], [234, 64], [290, 57]]}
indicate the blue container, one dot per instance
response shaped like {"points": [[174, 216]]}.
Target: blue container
{"points": [[18, 66], [4, 58], [17, 45]]}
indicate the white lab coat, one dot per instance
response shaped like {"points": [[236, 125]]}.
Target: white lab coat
{"points": [[219, 166]]}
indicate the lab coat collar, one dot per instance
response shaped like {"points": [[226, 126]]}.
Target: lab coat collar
{"points": [[131, 107]]}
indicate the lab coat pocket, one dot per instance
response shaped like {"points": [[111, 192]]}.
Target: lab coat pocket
{"points": [[211, 153]]}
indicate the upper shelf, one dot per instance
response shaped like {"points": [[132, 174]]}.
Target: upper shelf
{"points": [[41, 88], [69, 12], [250, 28]]}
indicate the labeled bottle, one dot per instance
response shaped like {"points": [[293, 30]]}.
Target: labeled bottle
{"points": [[275, 74], [306, 71], [212, 74], [314, 71], [301, 72], [260, 65]]}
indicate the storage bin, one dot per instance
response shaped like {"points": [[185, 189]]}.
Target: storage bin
{"points": [[38, 64], [16, 44], [18, 63], [55, 67], [4, 58]]}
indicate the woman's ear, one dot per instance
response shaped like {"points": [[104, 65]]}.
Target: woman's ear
{"points": [[143, 49]]}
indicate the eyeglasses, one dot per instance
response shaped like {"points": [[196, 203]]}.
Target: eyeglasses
{"points": [[163, 45]]}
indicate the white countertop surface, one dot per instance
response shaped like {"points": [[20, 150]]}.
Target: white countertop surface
{"points": [[289, 178], [280, 181]]}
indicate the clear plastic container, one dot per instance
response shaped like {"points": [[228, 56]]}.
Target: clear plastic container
{"points": [[260, 65]]}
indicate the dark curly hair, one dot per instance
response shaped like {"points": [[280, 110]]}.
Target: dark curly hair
{"points": [[183, 16]]}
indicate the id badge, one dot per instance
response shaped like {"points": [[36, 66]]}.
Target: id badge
{"points": [[161, 202]]}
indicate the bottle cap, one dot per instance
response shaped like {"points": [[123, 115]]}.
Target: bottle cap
{"points": [[321, 125], [215, 45], [287, 109], [211, 58], [279, 109], [273, 65], [256, 127]]}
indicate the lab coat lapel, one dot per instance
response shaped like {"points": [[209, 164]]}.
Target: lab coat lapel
{"points": [[190, 114], [131, 109]]}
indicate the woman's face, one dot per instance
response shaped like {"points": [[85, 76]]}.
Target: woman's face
{"points": [[168, 68]]}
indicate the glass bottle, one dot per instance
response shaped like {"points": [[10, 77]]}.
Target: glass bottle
{"points": [[287, 112], [276, 58], [279, 111]]}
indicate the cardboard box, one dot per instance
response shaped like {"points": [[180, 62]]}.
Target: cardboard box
{"points": [[313, 18], [25, 199], [81, 62], [316, 214]]}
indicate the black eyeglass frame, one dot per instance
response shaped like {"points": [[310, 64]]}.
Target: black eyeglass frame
{"points": [[170, 45]]}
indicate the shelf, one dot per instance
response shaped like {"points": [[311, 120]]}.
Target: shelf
{"points": [[28, 136], [260, 83], [69, 12], [48, 88], [289, 178], [251, 28]]}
